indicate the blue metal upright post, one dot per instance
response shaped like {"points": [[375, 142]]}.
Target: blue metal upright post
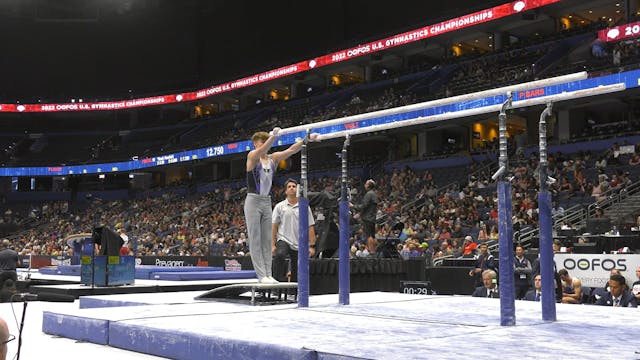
{"points": [[506, 267], [344, 246], [505, 226], [548, 298], [303, 231]]}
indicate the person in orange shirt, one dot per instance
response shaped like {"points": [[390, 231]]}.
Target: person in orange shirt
{"points": [[469, 246]]}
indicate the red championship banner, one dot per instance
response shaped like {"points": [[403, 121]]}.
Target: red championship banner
{"points": [[621, 32], [452, 25]]}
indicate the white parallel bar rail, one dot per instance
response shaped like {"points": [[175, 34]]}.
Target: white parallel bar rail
{"points": [[440, 102], [600, 90]]}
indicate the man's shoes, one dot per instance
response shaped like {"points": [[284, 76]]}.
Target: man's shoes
{"points": [[268, 280]]}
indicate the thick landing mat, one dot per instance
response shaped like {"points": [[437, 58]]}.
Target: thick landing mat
{"points": [[170, 298], [375, 326]]}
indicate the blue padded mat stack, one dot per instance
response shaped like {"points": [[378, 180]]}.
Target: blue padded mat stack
{"points": [[146, 271], [203, 275], [69, 270]]}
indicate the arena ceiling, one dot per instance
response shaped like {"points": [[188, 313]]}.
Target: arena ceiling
{"points": [[62, 49]]}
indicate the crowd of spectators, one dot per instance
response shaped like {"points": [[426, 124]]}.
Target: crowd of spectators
{"points": [[439, 220]]}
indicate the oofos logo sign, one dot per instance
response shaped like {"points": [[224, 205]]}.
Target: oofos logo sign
{"points": [[606, 264]]}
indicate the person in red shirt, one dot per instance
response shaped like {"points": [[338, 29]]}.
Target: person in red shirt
{"points": [[469, 246], [124, 250], [493, 214]]}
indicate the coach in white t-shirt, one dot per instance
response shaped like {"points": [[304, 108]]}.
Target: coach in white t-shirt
{"points": [[284, 238]]}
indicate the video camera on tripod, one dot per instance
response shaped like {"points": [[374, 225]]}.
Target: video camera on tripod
{"points": [[327, 232], [388, 246]]}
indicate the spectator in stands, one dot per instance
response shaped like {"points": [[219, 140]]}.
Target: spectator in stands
{"points": [[5, 337], [422, 249], [616, 55], [124, 250], [624, 178], [9, 261], [634, 160], [368, 210], [567, 186], [619, 295], [285, 233], [556, 247], [243, 249], [405, 249], [469, 246], [446, 248], [522, 273], [599, 213], [601, 291], [556, 209], [484, 262], [601, 163], [407, 231], [599, 190], [457, 233], [571, 288], [493, 233], [489, 287], [635, 288], [362, 251], [261, 168], [613, 154], [232, 249], [445, 234], [483, 234], [578, 173], [455, 247], [535, 294]]}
